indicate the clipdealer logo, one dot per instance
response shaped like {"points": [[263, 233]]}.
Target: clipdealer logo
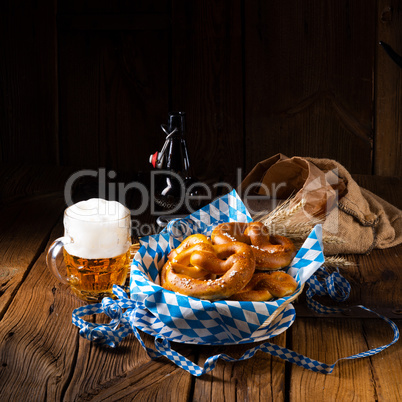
{"points": [[110, 189], [107, 188]]}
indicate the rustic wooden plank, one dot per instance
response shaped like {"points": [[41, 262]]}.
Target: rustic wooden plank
{"points": [[260, 378], [112, 7], [28, 78], [375, 282], [207, 83], [378, 279], [388, 99], [127, 372], [327, 340], [151, 380], [388, 188], [386, 368], [106, 81], [308, 74], [24, 231], [20, 181], [38, 341], [114, 22]]}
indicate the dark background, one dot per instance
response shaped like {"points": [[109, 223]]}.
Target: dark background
{"points": [[86, 84]]}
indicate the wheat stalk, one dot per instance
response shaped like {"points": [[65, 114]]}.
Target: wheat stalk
{"points": [[336, 261], [328, 239], [281, 213], [282, 220], [285, 220]]}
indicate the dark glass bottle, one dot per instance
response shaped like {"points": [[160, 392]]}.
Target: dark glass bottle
{"points": [[176, 189]]}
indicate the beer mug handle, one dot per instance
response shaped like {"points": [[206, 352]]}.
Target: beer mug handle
{"points": [[55, 248]]}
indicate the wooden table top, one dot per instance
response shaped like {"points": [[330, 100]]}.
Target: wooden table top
{"points": [[42, 356]]}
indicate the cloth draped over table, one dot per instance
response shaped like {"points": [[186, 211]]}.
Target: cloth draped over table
{"points": [[361, 219]]}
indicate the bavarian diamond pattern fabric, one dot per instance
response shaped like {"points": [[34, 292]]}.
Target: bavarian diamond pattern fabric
{"points": [[309, 257], [170, 317], [202, 321]]}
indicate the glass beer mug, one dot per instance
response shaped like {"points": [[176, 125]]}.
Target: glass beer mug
{"points": [[96, 248]]}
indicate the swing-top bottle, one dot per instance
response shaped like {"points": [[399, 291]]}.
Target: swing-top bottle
{"points": [[175, 187]]}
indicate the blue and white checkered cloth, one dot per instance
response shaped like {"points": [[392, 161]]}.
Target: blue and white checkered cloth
{"points": [[171, 317]]}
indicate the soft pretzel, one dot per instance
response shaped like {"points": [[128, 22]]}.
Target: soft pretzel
{"points": [[181, 257], [235, 261], [264, 286], [187, 243], [271, 252], [230, 231]]}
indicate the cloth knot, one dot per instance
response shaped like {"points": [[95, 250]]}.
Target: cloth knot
{"points": [[112, 310], [338, 287], [98, 334], [334, 285], [324, 283]]}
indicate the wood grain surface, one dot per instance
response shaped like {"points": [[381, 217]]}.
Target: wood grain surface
{"points": [[328, 340], [28, 82], [87, 84], [388, 144], [309, 81], [207, 82]]}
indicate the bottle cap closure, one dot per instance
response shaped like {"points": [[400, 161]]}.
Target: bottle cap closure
{"points": [[153, 158]]}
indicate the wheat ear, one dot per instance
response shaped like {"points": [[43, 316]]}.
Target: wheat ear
{"points": [[336, 261]]}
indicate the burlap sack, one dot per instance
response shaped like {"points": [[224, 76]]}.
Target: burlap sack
{"points": [[359, 218]]}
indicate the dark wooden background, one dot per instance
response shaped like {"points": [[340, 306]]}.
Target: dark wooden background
{"points": [[87, 83]]}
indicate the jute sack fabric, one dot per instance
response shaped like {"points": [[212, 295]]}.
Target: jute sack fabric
{"points": [[359, 218]]}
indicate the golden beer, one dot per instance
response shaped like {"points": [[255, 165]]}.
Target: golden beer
{"points": [[96, 248], [93, 279]]}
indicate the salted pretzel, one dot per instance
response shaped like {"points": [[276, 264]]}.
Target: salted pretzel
{"points": [[189, 242], [271, 252], [180, 256], [194, 272], [263, 286]]}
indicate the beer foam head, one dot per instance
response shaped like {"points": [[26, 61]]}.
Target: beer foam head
{"points": [[97, 228]]}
